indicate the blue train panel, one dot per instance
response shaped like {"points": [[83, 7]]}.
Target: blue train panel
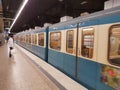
{"points": [[64, 62]]}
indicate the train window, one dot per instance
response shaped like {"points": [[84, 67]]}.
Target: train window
{"points": [[21, 38], [87, 42], [114, 45], [32, 38], [69, 42], [29, 38], [41, 39], [35, 39], [24, 39], [55, 40], [18, 38]]}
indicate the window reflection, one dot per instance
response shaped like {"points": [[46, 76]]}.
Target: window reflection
{"points": [[69, 42], [114, 51], [41, 39], [55, 40], [87, 42]]}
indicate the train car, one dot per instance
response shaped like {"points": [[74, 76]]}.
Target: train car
{"points": [[39, 42], [87, 49], [34, 41]]}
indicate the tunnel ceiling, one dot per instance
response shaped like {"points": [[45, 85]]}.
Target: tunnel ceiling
{"points": [[38, 12]]}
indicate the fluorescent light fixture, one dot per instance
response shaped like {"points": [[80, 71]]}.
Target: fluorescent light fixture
{"points": [[20, 10], [60, 0], [84, 2]]}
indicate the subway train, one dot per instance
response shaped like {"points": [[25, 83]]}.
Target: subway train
{"points": [[86, 48]]}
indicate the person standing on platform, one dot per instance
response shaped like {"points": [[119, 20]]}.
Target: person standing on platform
{"points": [[10, 44]]}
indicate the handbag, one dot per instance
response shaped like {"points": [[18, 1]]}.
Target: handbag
{"points": [[11, 48]]}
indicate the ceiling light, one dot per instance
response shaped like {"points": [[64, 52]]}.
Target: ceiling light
{"points": [[84, 2], [60, 0], [7, 7], [18, 14]]}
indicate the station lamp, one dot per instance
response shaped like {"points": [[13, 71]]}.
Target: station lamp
{"points": [[18, 14]]}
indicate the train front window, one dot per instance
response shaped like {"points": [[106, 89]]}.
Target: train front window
{"points": [[87, 42], [55, 40], [69, 42], [41, 39], [114, 45]]}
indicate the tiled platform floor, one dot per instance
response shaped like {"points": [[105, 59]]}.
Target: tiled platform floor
{"points": [[17, 73]]}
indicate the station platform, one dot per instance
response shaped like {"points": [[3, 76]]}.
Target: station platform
{"points": [[25, 71]]}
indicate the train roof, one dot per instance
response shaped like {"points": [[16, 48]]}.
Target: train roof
{"points": [[91, 16], [73, 22]]}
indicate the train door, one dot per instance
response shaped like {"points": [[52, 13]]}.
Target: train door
{"points": [[71, 49], [86, 69]]}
